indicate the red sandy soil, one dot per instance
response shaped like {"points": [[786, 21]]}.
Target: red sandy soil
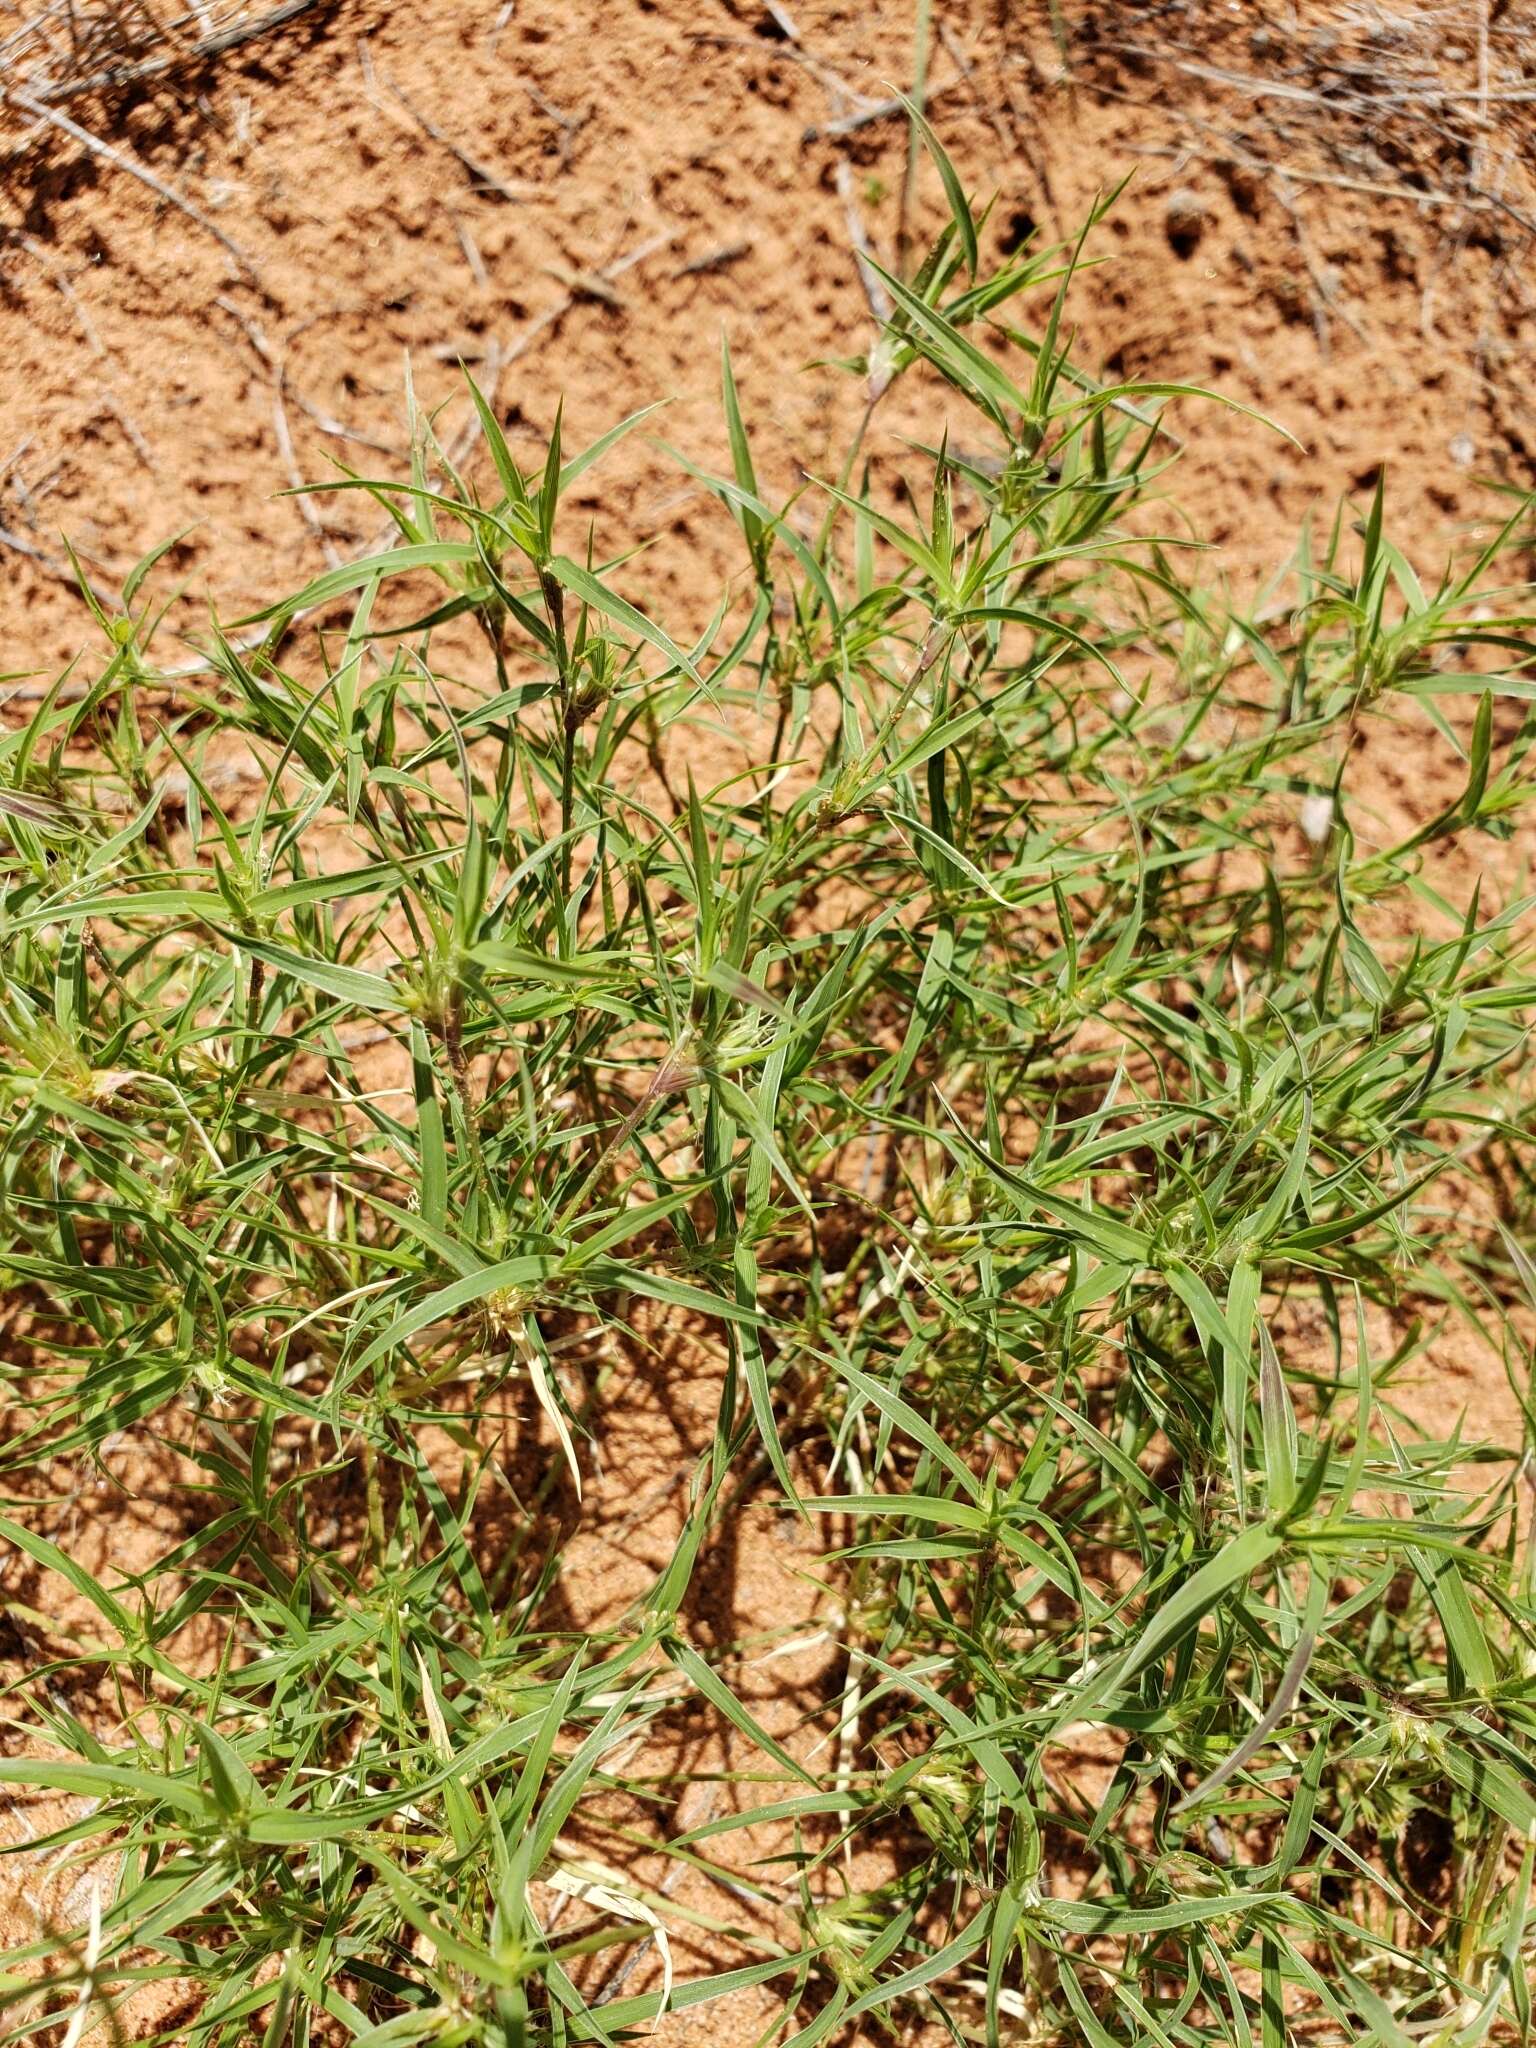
{"points": [[159, 383], [576, 197]]}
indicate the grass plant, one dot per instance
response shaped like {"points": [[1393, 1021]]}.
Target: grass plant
{"points": [[1068, 1112]]}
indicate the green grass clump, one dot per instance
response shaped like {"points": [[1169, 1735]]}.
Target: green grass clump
{"points": [[1066, 1155]]}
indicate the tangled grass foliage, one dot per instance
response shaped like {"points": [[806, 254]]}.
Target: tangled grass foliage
{"points": [[1064, 1154]]}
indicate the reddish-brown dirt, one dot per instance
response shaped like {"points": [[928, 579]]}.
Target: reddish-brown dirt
{"points": [[447, 182], [1327, 220]]}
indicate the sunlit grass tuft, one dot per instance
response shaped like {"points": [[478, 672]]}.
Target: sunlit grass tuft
{"points": [[1065, 1110]]}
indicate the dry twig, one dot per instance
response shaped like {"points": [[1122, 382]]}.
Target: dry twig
{"points": [[482, 178], [216, 43], [109, 154], [874, 291], [881, 110]]}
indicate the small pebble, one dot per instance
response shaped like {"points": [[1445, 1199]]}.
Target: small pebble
{"points": [[1317, 817], [1184, 221]]}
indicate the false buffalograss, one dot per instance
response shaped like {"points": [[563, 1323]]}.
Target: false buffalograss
{"points": [[1069, 1158]]}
